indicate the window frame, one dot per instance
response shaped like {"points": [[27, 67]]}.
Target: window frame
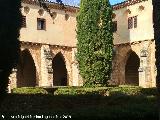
{"points": [[135, 21], [24, 23], [132, 22], [114, 26], [41, 24]]}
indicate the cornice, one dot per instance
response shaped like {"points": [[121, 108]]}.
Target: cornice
{"points": [[126, 3], [53, 5], [40, 44]]}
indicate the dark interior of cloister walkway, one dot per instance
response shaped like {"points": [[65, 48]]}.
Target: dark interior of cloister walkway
{"points": [[26, 70], [131, 69], [59, 70]]}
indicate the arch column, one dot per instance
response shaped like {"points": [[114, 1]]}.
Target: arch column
{"points": [[35, 52], [118, 64], [77, 80], [46, 67], [143, 69], [13, 79]]}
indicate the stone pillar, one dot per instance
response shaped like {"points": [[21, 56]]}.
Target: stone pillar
{"points": [[75, 74], [142, 77], [77, 80], [143, 69], [46, 67], [12, 80], [155, 74]]}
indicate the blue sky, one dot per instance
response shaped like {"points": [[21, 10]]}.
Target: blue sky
{"points": [[115, 1], [75, 2]]}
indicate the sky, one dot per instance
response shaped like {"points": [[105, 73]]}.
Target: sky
{"points": [[76, 2]]}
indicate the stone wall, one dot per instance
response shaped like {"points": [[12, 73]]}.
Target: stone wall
{"points": [[145, 50], [60, 37], [144, 30], [43, 55], [58, 30]]}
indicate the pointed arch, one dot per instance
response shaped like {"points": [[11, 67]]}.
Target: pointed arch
{"points": [[26, 70], [131, 68], [59, 70]]}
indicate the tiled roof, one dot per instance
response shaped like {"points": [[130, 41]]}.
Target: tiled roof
{"points": [[68, 2], [126, 3], [53, 5], [70, 8]]}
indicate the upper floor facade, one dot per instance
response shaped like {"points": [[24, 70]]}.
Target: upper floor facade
{"points": [[132, 22], [55, 28]]}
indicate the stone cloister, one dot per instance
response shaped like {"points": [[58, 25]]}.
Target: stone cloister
{"points": [[134, 64], [48, 65], [45, 65], [48, 46]]}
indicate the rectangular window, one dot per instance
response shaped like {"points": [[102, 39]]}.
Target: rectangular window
{"points": [[23, 21], [114, 27], [135, 21], [130, 23], [41, 24]]}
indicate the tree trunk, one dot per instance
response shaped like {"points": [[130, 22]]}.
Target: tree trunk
{"points": [[156, 25]]}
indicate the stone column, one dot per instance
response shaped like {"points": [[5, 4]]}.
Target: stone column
{"points": [[12, 80], [77, 80], [46, 67], [143, 69], [142, 77]]}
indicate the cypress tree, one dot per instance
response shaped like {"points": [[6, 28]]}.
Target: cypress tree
{"points": [[95, 41]]}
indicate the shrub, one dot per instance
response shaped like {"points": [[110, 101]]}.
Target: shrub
{"points": [[126, 90], [103, 91], [29, 90]]}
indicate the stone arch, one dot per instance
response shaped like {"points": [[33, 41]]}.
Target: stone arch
{"points": [[60, 74], [118, 64], [131, 68], [26, 70]]}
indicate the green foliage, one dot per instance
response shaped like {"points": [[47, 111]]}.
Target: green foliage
{"points": [[79, 91], [95, 41], [126, 90], [10, 24], [100, 91], [123, 103], [106, 91], [29, 90]]}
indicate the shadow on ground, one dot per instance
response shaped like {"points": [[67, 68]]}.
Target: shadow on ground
{"points": [[118, 106]]}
